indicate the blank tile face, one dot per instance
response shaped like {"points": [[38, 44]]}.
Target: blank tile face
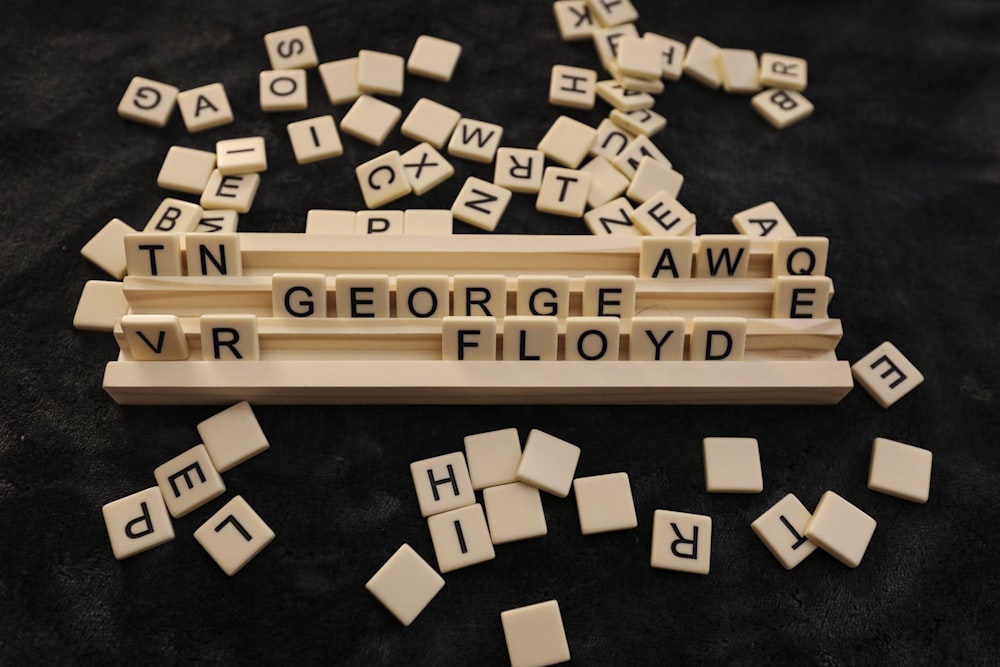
{"points": [[379, 222], [469, 338], [247, 155], [340, 79], [573, 87], [175, 216], [152, 254], [604, 503], [607, 39], [535, 635], [542, 296], [668, 258], [681, 542], [800, 256], [663, 215], [315, 139], [106, 248], [563, 192], [433, 58], [339, 222], [886, 374], [370, 119], [567, 141], [732, 465], [612, 219], [229, 338], [610, 140], [425, 168], [722, 256], [234, 535], [291, 48], [383, 179], [530, 338], [298, 295], [188, 481], [548, 463], [423, 296], [653, 177], [701, 62], [155, 337], [380, 73], [514, 512], [638, 121], [405, 584], [283, 90], [763, 221], [606, 182], [148, 102], [475, 140], [801, 296], [672, 55], [519, 169], [840, 529], [738, 70], [481, 203], [101, 303], [137, 523], [442, 483], [782, 529], [232, 436], [782, 108], [656, 339], [638, 57], [186, 170], [362, 295], [780, 71], [205, 107], [461, 538], [592, 338], [430, 121], [493, 457], [900, 470], [573, 19], [718, 338], [427, 222], [235, 192]]}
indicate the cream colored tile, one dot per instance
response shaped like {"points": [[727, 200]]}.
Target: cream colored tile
{"points": [[663, 215], [574, 20], [340, 79], [383, 179], [763, 221], [291, 48], [780, 71], [235, 192], [606, 182], [672, 55], [493, 457], [298, 295], [606, 40], [681, 542], [469, 338], [147, 101], [653, 177], [782, 108], [461, 538], [188, 481], [718, 338], [567, 141], [722, 256], [234, 535], [283, 90], [592, 338], [137, 523], [886, 374], [442, 483], [321, 221], [427, 222], [613, 12], [514, 512], [563, 192], [213, 254], [362, 295], [106, 248], [480, 295], [573, 87], [781, 530], [229, 338], [101, 304], [639, 58], [638, 121], [610, 141], [433, 58], [548, 463], [800, 256], [186, 170], [640, 147], [405, 584], [425, 168], [701, 62], [666, 258], [423, 296], [732, 465], [155, 337], [618, 97], [475, 140], [370, 120], [656, 339], [530, 338], [153, 254], [174, 215], [205, 107], [315, 139], [232, 436], [841, 529], [801, 296], [431, 122], [900, 470], [247, 155], [612, 219], [543, 296], [380, 73], [535, 635], [218, 221], [604, 503], [480, 203], [739, 70], [519, 169]]}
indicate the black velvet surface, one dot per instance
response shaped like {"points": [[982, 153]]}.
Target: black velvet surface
{"points": [[899, 166]]}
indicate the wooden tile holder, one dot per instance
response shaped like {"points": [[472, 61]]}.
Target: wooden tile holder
{"points": [[338, 360]]}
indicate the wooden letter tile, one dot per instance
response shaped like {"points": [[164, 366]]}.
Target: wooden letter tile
{"points": [[481, 203], [405, 584], [291, 48], [235, 192], [152, 254], [604, 503], [461, 538], [315, 139], [431, 122], [213, 254], [612, 219], [229, 338], [475, 140], [722, 256], [186, 170], [427, 222], [638, 121], [782, 108], [148, 102], [370, 120], [781, 530], [666, 258], [548, 463], [106, 248], [469, 338], [155, 337], [484, 295], [241, 156], [801, 296], [298, 295], [425, 168], [900, 470], [681, 542], [188, 481], [574, 20], [606, 182], [322, 221], [493, 457], [718, 338], [886, 374], [764, 221], [232, 436], [422, 297], [840, 529], [611, 140], [442, 483], [433, 58], [101, 304], [656, 339], [639, 58], [380, 73], [563, 192], [362, 295], [672, 55], [218, 221], [653, 177], [283, 90], [234, 535], [543, 296], [592, 338], [641, 147], [800, 256], [205, 107], [514, 512], [609, 296], [738, 70], [787, 72], [567, 141], [663, 215], [701, 62], [535, 635], [618, 97], [137, 523], [340, 79], [174, 215], [379, 222], [519, 169], [530, 338], [573, 87], [383, 179], [732, 465], [612, 13], [606, 40]]}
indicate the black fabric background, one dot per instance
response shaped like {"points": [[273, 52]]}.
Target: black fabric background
{"points": [[898, 166]]}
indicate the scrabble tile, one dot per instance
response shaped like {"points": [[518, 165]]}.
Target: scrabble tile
{"points": [[574, 20], [218, 221], [573, 87], [106, 248], [732, 465], [431, 122], [235, 192], [155, 337], [886, 374], [530, 338], [283, 90], [739, 70], [781, 530], [362, 295], [722, 256], [427, 222], [606, 40], [234, 535], [542, 296], [663, 215], [469, 338], [480, 294], [213, 254], [763, 221], [840, 529], [781, 108], [423, 296], [232, 436], [681, 542], [608, 296], [800, 256], [461, 538], [380, 73], [480, 203], [672, 55], [900, 470], [801, 296], [319, 221], [638, 121], [291, 48], [666, 258], [148, 102], [535, 635], [340, 80], [563, 192], [442, 483], [378, 222], [246, 155], [370, 119], [780, 71], [298, 295], [405, 584], [592, 338], [205, 107], [433, 58], [604, 503], [137, 523], [567, 141], [701, 62], [186, 170], [514, 512], [640, 147], [153, 254], [635, 84], [188, 481], [606, 182], [656, 339], [612, 219], [548, 463], [174, 215], [613, 12], [618, 97], [425, 168], [315, 139], [229, 338], [718, 338], [639, 58], [611, 140], [475, 140], [383, 179], [493, 457], [101, 303], [519, 169], [653, 177]]}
